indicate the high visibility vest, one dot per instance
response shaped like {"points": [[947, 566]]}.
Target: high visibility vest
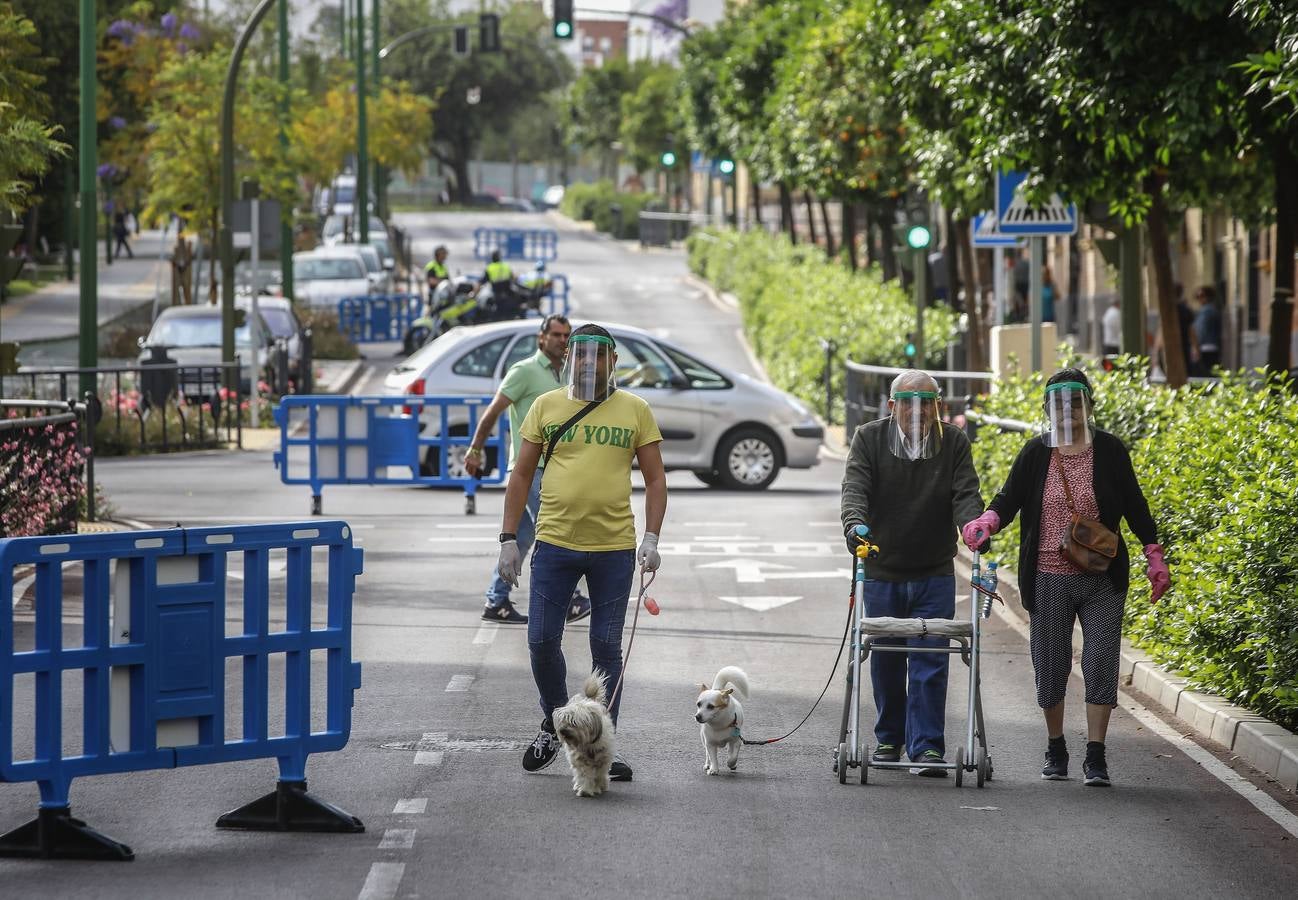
{"points": [[499, 271], [437, 269]]}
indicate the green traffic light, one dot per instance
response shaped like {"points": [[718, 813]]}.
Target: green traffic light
{"points": [[563, 29], [918, 237], [669, 159], [726, 166], [910, 351]]}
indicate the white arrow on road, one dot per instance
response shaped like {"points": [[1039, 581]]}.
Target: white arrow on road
{"points": [[755, 571], [759, 604]]}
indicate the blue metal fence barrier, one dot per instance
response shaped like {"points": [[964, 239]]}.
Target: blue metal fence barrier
{"points": [[516, 243], [557, 298], [385, 440], [372, 318], [152, 662]]}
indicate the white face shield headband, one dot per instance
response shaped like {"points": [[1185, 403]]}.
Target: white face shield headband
{"points": [[589, 369], [1069, 421], [916, 430]]}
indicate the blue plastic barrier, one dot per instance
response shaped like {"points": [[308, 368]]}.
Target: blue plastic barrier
{"points": [[557, 298], [152, 659], [372, 318], [516, 243], [384, 440]]}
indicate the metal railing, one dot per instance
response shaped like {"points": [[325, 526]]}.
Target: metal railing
{"points": [[170, 405], [24, 437], [662, 229], [867, 387]]}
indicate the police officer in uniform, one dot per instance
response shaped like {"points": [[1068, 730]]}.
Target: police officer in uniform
{"points": [[435, 270]]}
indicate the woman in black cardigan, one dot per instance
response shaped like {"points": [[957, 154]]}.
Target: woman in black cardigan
{"points": [[1073, 467]]}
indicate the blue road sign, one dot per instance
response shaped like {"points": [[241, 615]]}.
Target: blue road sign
{"points": [[986, 234], [1017, 217]]}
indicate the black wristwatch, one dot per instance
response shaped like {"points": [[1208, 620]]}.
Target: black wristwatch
{"points": [[508, 536]]}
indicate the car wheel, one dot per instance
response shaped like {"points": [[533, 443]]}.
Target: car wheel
{"points": [[432, 463], [710, 478], [748, 460]]}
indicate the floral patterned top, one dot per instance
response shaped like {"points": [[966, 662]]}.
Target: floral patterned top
{"points": [[1055, 515]]}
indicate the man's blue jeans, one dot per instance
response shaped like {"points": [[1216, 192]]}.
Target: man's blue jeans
{"points": [[498, 593], [910, 688], [555, 571]]}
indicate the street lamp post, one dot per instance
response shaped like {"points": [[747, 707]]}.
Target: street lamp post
{"points": [[88, 324], [285, 227], [375, 44], [362, 130]]}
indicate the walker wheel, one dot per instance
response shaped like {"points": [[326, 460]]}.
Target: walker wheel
{"points": [[959, 766], [865, 767], [984, 765], [841, 764], [990, 770]]}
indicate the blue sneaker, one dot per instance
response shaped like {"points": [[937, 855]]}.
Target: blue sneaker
{"points": [[578, 607]]}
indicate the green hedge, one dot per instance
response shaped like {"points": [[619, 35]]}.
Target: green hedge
{"points": [[1217, 464], [594, 203], [791, 297]]}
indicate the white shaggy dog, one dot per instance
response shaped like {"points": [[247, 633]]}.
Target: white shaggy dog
{"points": [[586, 732], [722, 717]]}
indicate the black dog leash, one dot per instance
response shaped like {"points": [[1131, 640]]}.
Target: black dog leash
{"points": [[851, 605]]}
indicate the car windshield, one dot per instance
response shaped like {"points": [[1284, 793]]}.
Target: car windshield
{"points": [[371, 257], [280, 322], [193, 331], [327, 269]]}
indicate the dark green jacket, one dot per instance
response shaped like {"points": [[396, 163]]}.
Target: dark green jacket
{"points": [[913, 508]]}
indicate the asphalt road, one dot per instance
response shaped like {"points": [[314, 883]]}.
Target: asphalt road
{"points": [[758, 581]]}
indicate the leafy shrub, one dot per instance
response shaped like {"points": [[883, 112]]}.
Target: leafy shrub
{"points": [[40, 477], [791, 297], [327, 341], [595, 202], [1216, 463]]}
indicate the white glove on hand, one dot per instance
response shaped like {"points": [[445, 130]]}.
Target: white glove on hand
{"points": [[510, 564], [647, 557]]}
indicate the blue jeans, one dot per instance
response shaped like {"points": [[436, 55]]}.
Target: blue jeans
{"points": [[910, 688], [498, 592], [555, 571]]}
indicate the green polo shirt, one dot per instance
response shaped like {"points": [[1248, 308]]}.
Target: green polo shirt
{"points": [[526, 380]]}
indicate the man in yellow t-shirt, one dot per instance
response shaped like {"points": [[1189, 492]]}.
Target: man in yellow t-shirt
{"points": [[586, 527]]}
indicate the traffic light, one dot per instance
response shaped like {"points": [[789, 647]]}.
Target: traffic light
{"points": [[901, 247], [726, 166], [910, 346], [489, 33], [668, 159], [563, 29], [461, 40], [918, 236]]}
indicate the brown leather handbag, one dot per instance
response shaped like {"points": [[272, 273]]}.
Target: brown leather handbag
{"points": [[1087, 543]]}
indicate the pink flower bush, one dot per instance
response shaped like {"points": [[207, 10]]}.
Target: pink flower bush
{"points": [[40, 478]]}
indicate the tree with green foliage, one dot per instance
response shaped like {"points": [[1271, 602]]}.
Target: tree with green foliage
{"points": [[649, 119], [27, 140], [595, 109]]}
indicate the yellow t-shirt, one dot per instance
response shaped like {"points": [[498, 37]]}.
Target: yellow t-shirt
{"points": [[586, 491]]}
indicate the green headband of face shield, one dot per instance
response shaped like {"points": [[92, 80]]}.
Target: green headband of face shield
{"points": [[592, 339], [912, 395], [1069, 386]]}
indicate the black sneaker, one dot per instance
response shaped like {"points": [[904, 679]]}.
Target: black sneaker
{"points": [[578, 607], [1095, 771], [929, 771], [619, 771], [886, 753], [504, 613], [544, 748], [1056, 767]]}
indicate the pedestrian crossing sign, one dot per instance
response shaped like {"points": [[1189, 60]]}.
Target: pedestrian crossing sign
{"points": [[1018, 217], [986, 234]]}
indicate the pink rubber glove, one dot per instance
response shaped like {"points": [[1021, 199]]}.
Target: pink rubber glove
{"points": [[980, 529], [1160, 578]]}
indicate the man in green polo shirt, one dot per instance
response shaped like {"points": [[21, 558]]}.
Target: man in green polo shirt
{"points": [[526, 380]]}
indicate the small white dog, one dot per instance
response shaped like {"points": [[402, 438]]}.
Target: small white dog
{"points": [[722, 717], [586, 732]]}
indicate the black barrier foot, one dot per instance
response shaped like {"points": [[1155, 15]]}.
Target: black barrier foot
{"points": [[290, 808], [317, 505], [54, 834], [470, 506]]}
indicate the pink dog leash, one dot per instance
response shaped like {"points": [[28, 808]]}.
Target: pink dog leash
{"points": [[649, 604]]}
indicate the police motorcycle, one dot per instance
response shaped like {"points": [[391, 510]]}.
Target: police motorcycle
{"points": [[454, 303]]}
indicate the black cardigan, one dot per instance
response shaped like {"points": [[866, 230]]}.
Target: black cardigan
{"points": [[1117, 493]]}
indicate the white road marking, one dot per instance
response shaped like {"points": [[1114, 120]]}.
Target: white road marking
{"points": [[382, 881], [777, 550], [20, 588], [486, 634], [397, 839], [459, 683], [414, 806], [429, 757], [469, 527], [721, 537], [460, 540], [1264, 802], [758, 603], [715, 524], [747, 571]]}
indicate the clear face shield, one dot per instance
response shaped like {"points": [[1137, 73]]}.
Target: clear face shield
{"points": [[916, 430], [1068, 415], [589, 368]]}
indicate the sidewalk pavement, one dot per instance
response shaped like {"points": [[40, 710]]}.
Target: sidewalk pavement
{"points": [[53, 312]]}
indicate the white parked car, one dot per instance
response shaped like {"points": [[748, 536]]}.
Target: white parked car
{"points": [[727, 428], [324, 276]]}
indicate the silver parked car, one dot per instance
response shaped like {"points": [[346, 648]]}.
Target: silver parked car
{"points": [[727, 428], [326, 275]]}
